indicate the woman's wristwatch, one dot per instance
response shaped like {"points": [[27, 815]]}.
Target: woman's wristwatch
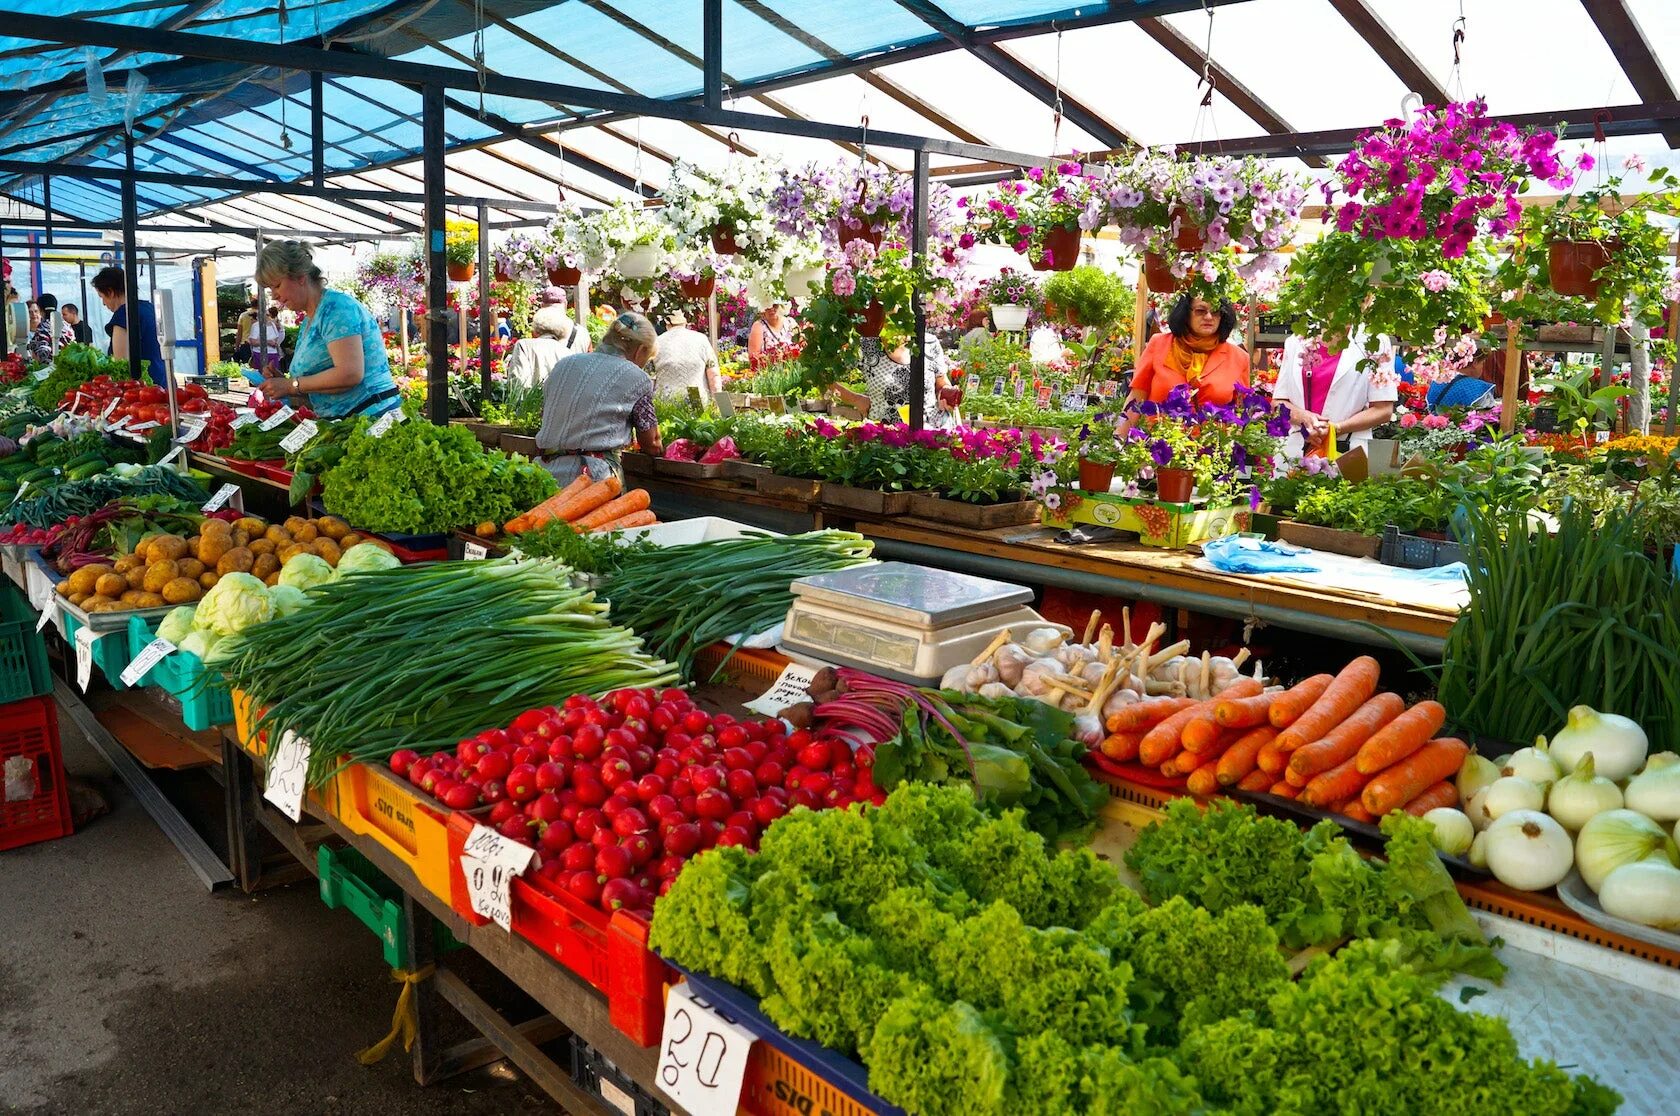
{"points": [[296, 390]]}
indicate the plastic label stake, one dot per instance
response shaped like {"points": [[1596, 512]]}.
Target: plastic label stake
{"points": [[702, 1055], [791, 688], [244, 418], [172, 454], [276, 418], [384, 423], [150, 656], [192, 425], [288, 774], [46, 615], [297, 439], [222, 496], [85, 639], [474, 552]]}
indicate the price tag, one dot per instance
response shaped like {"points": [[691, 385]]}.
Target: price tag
{"points": [[276, 418], [243, 418], [384, 423], [147, 425], [120, 424], [1110, 388], [1020, 388], [997, 386], [150, 656], [791, 688], [1073, 401], [222, 496], [474, 552], [85, 638], [41, 374], [109, 407], [288, 774], [191, 427], [702, 1054], [489, 862], [297, 439], [1601, 436], [1044, 394], [172, 454], [47, 609]]}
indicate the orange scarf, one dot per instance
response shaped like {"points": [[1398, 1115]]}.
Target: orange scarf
{"points": [[1188, 355]]}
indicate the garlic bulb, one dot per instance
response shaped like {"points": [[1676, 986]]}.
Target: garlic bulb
{"points": [[1010, 660], [1041, 641]]}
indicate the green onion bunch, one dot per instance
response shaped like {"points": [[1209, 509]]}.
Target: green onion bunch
{"points": [[424, 656]]}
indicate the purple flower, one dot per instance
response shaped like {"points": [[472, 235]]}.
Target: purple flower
{"points": [[1161, 452]]}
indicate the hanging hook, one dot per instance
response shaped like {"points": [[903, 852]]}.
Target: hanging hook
{"points": [[1410, 103], [863, 146]]}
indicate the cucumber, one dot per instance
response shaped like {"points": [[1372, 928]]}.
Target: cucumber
{"points": [[35, 475], [90, 458], [85, 470]]}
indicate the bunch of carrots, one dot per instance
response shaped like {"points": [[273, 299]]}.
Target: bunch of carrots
{"points": [[588, 505], [1332, 741]]}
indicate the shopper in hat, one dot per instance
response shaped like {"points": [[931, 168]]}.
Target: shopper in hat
{"points": [[683, 359], [554, 336], [594, 402], [111, 284]]}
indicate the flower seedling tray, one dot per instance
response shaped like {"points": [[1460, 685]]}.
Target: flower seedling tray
{"points": [[1329, 539], [871, 501], [690, 470], [790, 488]]}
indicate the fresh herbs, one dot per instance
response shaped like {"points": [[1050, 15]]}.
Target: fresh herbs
{"points": [[587, 553]]}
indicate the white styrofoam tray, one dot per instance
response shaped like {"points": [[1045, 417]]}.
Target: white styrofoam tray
{"points": [[704, 528]]}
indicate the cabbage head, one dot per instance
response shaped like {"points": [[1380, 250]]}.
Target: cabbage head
{"points": [[287, 598], [176, 625], [236, 602], [305, 570], [365, 559]]}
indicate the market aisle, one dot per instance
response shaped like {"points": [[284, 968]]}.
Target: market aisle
{"points": [[126, 987]]}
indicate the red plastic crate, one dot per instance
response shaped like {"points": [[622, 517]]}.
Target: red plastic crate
{"points": [[29, 729], [409, 557]]}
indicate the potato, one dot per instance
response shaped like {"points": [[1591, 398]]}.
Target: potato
{"points": [[261, 546], [241, 537], [332, 527], [212, 547], [293, 522], [348, 540], [192, 545], [63, 589], [250, 524], [328, 550], [264, 564], [150, 600], [127, 562], [77, 598], [86, 579], [159, 574], [132, 597], [272, 579], [168, 548], [182, 590], [189, 567], [214, 526], [306, 533], [208, 579], [111, 585], [278, 534], [237, 560], [136, 577], [97, 603]]}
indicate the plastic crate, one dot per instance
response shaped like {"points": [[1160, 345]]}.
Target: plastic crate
{"points": [[747, 668], [29, 732], [110, 651], [349, 880], [23, 653], [250, 468], [596, 1074], [205, 698], [1413, 552], [254, 742], [373, 801]]}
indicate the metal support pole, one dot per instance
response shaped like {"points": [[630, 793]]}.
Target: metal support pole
{"points": [[711, 38], [317, 154], [262, 311], [918, 255], [433, 141], [131, 258], [81, 272], [46, 206], [484, 325], [1673, 415], [6, 330]]}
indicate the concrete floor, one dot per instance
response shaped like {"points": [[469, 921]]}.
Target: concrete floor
{"points": [[126, 987]]}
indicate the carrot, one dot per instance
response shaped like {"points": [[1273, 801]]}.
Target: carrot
{"points": [[1297, 700], [1203, 781], [1401, 737], [1338, 784], [1162, 741], [1238, 761], [546, 510], [1244, 712], [1344, 741], [1255, 780], [1121, 746], [1441, 794], [1356, 683], [587, 499], [1141, 716], [642, 518], [1180, 763], [1354, 810], [1271, 759], [1283, 790], [633, 501], [1200, 734], [1391, 789]]}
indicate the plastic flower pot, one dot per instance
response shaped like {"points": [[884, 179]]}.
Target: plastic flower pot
{"points": [[697, 288], [504, 274], [462, 273], [1060, 250], [1172, 486], [638, 262], [1570, 265], [1157, 273], [1189, 237], [1095, 476], [723, 241], [860, 229], [564, 276], [874, 318], [1010, 317]]}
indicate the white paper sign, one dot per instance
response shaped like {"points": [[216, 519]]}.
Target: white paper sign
{"points": [[191, 427], [288, 774], [150, 656], [109, 407], [172, 454], [276, 418], [489, 862], [702, 1055], [243, 418], [120, 424], [139, 426], [222, 496], [85, 639], [791, 688], [47, 608], [41, 374], [385, 421], [474, 552], [300, 437]]}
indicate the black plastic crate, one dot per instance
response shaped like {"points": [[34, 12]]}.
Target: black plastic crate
{"points": [[596, 1074], [1414, 552]]}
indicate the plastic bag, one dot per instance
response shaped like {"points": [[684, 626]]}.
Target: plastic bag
{"points": [[21, 784]]}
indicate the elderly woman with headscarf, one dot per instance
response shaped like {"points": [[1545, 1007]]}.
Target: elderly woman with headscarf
{"points": [[594, 402], [554, 336]]}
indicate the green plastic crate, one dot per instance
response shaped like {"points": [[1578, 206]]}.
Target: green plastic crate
{"points": [[349, 880], [23, 651], [205, 698], [110, 653]]}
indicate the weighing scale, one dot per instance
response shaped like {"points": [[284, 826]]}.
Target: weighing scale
{"points": [[902, 621]]}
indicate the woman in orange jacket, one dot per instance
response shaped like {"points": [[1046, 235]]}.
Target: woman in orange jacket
{"points": [[1194, 350]]}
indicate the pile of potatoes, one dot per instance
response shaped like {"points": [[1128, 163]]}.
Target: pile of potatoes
{"points": [[171, 570]]}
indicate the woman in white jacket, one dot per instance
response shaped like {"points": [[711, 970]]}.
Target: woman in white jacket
{"points": [[1351, 386], [554, 335]]}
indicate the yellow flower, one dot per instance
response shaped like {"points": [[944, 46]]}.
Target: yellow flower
{"points": [[1642, 445]]}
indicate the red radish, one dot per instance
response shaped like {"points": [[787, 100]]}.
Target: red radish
{"points": [[714, 804], [630, 821], [584, 886], [741, 784], [403, 759], [660, 805], [517, 827], [770, 774], [502, 811], [683, 840], [556, 836], [461, 796], [735, 836], [588, 821], [613, 862], [522, 783], [617, 894], [578, 856], [640, 847], [551, 776], [545, 807]]}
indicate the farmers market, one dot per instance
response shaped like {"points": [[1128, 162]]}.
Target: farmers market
{"points": [[602, 557]]}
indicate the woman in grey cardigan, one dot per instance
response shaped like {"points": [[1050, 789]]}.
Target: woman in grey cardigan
{"points": [[594, 402]]}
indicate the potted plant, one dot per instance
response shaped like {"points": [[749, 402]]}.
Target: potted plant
{"points": [[727, 210], [872, 203], [1040, 216], [1013, 297], [573, 244], [1408, 290], [637, 238], [1099, 453], [460, 250], [1089, 296]]}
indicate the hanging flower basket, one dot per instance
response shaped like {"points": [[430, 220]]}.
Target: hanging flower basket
{"points": [[504, 274], [859, 228], [638, 262], [462, 273], [1060, 250], [723, 241], [874, 318], [1174, 486], [1570, 265], [1189, 237], [698, 288], [1157, 273], [1009, 317], [564, 276]]}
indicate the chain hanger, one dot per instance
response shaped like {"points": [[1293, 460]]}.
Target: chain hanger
{"points": [[1459, 26], [1056, 101], [1206, 85]]}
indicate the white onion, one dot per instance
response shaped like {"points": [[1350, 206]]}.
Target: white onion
{"points": [[1658, 761], [1529, 851], [1476, 808], [1534, 764], [1511, 793], [1617, 837], [1576, 797], [1452, 832], [1656, 794], [1478, 850], [1646, 892], [1616, 743], [1478, 772]]}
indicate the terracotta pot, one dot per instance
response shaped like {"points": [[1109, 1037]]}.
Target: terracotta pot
{"points": [[1570, 265], [1073, 318], [1060, 251], [863, 231], [564, 276], [503, 275], [461, 273], [723, 242], [1189, 237], [1494, 319], [697, 288], [874, 318], [1094, 477], [1174, 486], [1157, 273]]}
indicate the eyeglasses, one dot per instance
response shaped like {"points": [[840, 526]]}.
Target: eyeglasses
{"points": [[1206, 312]]}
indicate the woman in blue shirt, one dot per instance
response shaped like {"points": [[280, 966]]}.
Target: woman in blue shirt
{"points": [[339, 366], [111, 284]]}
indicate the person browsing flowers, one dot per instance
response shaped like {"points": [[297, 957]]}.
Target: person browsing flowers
{"points": [[1194, 350], [1335, 381], [339, 366]]}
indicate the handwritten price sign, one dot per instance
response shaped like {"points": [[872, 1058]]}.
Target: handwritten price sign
{"points": [[702, 1055], [288, 774], [489, 862]]}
